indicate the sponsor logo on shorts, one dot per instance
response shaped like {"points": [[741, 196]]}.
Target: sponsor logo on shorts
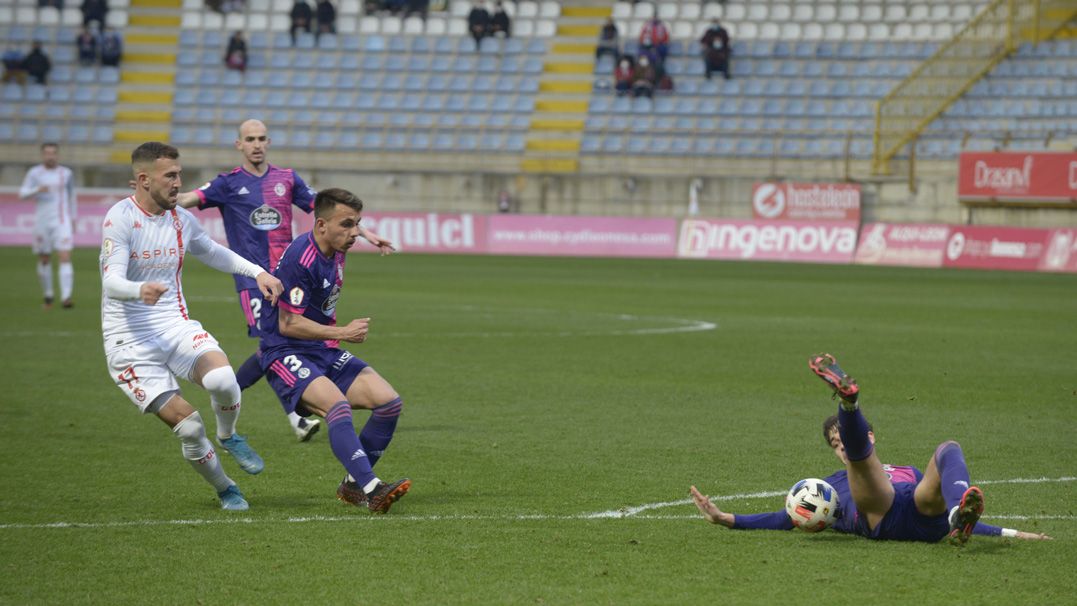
{"points": [[265, 218], [342, 360]]}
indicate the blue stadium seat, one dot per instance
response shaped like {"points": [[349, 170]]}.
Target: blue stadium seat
{"points": [[418, 141], [374, 44]]}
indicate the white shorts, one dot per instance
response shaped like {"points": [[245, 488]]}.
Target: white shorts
{"points": [[52, 235], [148, 369]]}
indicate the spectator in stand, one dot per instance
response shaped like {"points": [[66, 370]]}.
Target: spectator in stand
{"points": [[499, 23], [655, 35], [87, 45], [236, 55], [327, 18], [57, 4], [644, 78], [37, 64], [714, 47], [623, 75], [111, 47], [609, 41], [478, 22], [417, 7], [13, 69], [302, 17], [94, 10]]}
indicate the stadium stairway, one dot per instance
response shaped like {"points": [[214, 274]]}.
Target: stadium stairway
{"points": [[147, 76], [556, 129]]}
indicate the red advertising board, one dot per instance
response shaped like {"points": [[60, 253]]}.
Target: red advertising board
{"points": [[982, 247], [1061, 252], [1017, 176], [820, 242], [907, 244], [806, 201], [582, 236]]}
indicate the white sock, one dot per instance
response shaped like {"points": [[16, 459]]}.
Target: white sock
{"points": [[199, 452], [225, 397], [67, 280], [294, 419], [371, 485], [44, 275]]}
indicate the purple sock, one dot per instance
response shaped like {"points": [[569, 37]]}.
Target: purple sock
{"points": [[251, 370], [853, 429], [954, 473], [379, 428], [346, 445]]}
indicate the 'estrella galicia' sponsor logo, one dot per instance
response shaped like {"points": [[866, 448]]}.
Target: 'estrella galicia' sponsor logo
{"points": [[265, 218], [330, 304]]}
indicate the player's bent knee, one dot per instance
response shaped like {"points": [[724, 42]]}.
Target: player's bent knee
{"points": [[221, 382], [390, 409]]}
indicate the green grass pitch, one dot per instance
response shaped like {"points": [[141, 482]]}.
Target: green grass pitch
{"points": [[539, 392]]}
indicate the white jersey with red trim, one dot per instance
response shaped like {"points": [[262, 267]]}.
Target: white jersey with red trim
{"points": [[139, 247], [57, 203]]}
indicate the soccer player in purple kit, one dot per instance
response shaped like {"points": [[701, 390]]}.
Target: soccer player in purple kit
{"points": [[880, 501], [307, 369], [255, 201]]}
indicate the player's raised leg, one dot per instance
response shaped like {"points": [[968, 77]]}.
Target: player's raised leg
{"points": [[187, 424], [213, 373], [946, 487], [868, 483]]}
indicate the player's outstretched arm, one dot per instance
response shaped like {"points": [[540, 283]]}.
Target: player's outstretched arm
{"points": [[710, 511], [386, 247], [188, 199], [1031, 536]]}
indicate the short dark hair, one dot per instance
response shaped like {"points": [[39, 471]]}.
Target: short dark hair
{"points": [[830, 423], [327, 200], [151, 151], [50, 144]]}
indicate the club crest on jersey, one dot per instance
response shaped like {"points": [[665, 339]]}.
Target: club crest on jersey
{"points": [[279, 189], [296, 296], [265, 218]]}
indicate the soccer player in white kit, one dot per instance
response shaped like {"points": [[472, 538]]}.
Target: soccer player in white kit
{"points": [[150, 339], [53, 188]]}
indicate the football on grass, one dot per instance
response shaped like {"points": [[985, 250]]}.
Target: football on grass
{"points": [[812, 505]]}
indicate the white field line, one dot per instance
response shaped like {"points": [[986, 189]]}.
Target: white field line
{"points": [[625, 512], [395, 518], [679, 325]]}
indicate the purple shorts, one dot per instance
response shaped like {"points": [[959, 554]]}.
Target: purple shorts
{"points": [[290, 374], [903, 522]]}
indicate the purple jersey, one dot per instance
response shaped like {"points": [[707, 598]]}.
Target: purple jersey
{"points": [[312, 283], [257, 212], [901, 477]]}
